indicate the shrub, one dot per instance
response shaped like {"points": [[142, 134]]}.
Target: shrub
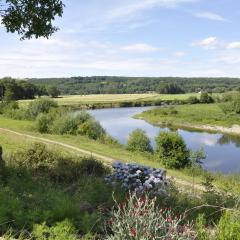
{"points": [[42, 105], [43, 122], [140, 218], [44, 162], [171, 150], [64, 230], [193, 100], [206, 98], [92, 129], [65, 125], [138, 178], [139, 141]]}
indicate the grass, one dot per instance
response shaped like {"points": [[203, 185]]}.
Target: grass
{"points": [[73, 100], [184, 115], [118, 153], [114, 152]]}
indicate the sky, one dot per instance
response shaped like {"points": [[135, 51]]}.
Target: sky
{"points": [[185, 38]]}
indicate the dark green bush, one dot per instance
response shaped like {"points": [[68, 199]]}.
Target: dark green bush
{"points": [[139, 141], [206, 98], [92, 129], [193, 100], [171, 150]]}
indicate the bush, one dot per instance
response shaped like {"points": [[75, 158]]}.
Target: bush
{"points": [[140, 218], [42, 105], [92, 129], [171, 150], [43, 162], [206, 98], [139, 141], [64, 230], [43, 122], [193, 100], [65, 125], [138, 178]]}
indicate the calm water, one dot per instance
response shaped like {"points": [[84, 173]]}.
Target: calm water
{"points": [[222, 151]]}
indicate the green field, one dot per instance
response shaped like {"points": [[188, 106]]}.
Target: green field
{"points": [[76, 100], [187, 115]]}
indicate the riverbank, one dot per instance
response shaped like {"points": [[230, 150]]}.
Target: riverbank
{"points": [[203, 117], [86, 146]]}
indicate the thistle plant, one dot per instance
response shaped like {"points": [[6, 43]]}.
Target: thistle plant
{"points": [[140, 218], [139, 178]]}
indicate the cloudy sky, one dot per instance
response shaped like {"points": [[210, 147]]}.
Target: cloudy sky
{"points": [[132, 38]]}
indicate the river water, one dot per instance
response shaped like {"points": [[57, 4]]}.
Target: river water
{"points": [[222, 151]]}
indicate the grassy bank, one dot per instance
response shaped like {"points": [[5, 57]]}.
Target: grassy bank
{"points": [[183, 177], [115, 100], [190, 115]]}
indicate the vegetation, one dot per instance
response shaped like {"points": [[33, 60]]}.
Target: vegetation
{"points": [[50, 195], [190, 115], [171, 150], [139, 141], [170, 88], [35, 18], [120, 85]]}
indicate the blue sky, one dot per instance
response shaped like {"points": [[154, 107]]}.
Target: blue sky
{"points": [[132, 38]]}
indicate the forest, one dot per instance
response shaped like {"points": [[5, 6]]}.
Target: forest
{"points": [[119, 85]]}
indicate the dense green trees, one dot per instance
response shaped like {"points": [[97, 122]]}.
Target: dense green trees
{"points": [[30, 18], [53, 91], [108, 84], [10, 89], [170, 88], [139, 141]]}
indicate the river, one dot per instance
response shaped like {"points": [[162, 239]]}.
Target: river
{"points": [[222, 151]]}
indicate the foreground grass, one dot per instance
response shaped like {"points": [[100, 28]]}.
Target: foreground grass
{"points": [[184, 115], [76, 100]]}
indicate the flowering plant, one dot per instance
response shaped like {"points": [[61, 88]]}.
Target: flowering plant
{"points": [[138, 178], [140, 218]]}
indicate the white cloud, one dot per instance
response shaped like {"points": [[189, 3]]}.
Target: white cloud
{"points": [[233, 45], [140, 47], [141, 5], [179, 54], [210, 16], [208, 43]]}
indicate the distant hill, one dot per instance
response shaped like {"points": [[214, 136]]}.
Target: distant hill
{"points": [[108, 84]]}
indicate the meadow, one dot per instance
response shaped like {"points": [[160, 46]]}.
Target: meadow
{"points": [[114, 99], [190, 115]]}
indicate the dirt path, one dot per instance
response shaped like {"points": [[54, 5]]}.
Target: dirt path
{"points": [[45, 140], [181, 182]]}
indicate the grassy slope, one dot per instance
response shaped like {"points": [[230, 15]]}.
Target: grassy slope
{"points": [[199, 114], [72, 100], [85, 143], [12, 143]]}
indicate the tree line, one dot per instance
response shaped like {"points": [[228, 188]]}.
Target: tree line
{"points": [[11, 89], [121, 85]]}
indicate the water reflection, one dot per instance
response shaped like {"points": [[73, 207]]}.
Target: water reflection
{"points": [[222, 151]]}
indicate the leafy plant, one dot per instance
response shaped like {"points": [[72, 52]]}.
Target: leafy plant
{"points": [[171, 150], [139, 141], [141, 218]]}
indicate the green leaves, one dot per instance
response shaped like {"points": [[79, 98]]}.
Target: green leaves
{"points": [[31, 18]]}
